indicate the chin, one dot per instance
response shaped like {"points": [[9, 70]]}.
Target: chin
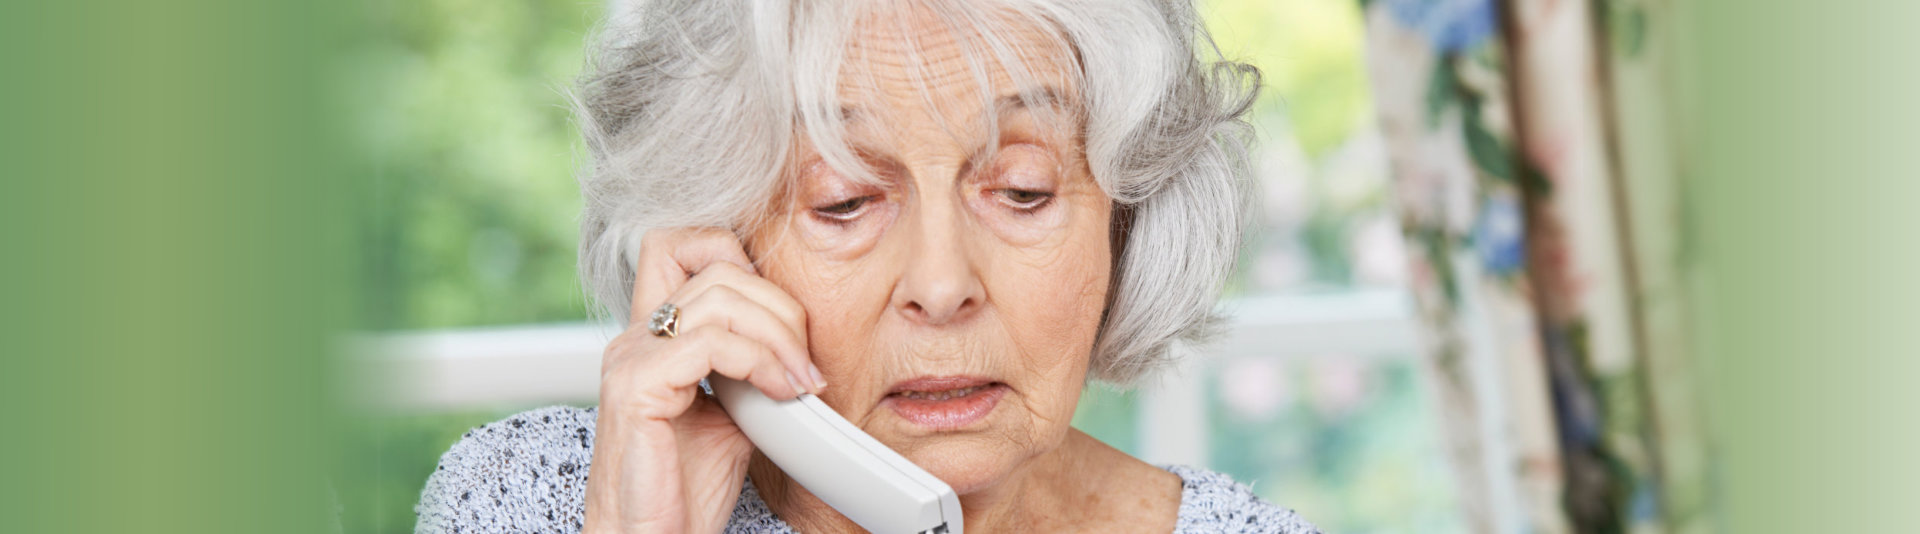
{"points": [[964, 467], [969, 463]]}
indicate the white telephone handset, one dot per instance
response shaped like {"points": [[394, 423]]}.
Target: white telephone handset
{"points": [[843, 466]]}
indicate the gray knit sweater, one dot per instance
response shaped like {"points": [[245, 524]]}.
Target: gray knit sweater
{"points": [[528, 473]]}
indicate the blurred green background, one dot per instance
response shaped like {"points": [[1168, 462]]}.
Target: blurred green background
{"points": [[473, 213], [200, 196]]}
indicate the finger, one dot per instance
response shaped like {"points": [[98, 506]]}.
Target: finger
{"points": [[727, 307], [669, 256], [660, 385], [714, 349], [755, 288]]}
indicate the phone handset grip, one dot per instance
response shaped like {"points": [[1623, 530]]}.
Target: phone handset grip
{"points": [[843, 466]]}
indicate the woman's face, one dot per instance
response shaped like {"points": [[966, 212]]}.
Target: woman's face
{"points": [[952, 308]]}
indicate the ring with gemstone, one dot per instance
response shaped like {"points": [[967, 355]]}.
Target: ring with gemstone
{"points": [[665, 321]]}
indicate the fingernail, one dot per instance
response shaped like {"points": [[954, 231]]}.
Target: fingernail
{"points": [[818, 381], [797, 387]]}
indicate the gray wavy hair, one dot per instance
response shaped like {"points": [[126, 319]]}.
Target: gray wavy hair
{"points": [[691, 108]]}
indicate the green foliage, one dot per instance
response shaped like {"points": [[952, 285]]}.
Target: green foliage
{"points": [[1309, 54], [473, 209], [1443, 89], [1316, 95], [1490, 156]]}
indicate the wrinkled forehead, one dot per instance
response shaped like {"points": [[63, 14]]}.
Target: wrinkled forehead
{"points": [[955, 66], [953, 46], [961, 60]]}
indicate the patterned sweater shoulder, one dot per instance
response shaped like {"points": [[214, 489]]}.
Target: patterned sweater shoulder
{"points": [[528, 473]]}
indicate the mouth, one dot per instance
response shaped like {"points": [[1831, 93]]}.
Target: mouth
{"points": [[944, 403]]}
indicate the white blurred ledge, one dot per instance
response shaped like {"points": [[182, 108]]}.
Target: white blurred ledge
{"points": [[472, 368], [1364, 323], [518, 366]]}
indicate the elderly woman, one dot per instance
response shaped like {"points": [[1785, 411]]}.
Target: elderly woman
{"points": [[942, 219]]}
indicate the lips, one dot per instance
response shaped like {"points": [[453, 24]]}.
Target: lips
{"points": [[944, 403]]}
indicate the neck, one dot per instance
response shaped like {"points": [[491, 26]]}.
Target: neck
{"points": [[1029, 497]]}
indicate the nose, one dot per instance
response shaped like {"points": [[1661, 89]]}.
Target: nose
{"points": [[939, 284]]}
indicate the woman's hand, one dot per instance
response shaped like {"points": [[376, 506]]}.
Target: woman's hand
{"points": [[665, 457]]}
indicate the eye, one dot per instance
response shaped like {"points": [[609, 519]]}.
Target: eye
{"points": [[844, 210], [1025, 200]]}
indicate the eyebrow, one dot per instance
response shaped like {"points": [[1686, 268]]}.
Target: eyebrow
{"points": [[1043, 96], [1046, 96]]}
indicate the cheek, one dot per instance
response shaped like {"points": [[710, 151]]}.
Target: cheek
{"points": [[841, 303], [1051, 299], [1054, 311]]}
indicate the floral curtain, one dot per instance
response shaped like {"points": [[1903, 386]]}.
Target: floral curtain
{"points": [[1638, 65], [1553, 356]]}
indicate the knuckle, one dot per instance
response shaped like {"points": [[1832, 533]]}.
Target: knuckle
{"points": [[726, 269], [707, 337], [660, 243], [704, 279], [773, 367], [712, 233], [727, 294], [651, 241], [794, 313], [716, 297]]}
